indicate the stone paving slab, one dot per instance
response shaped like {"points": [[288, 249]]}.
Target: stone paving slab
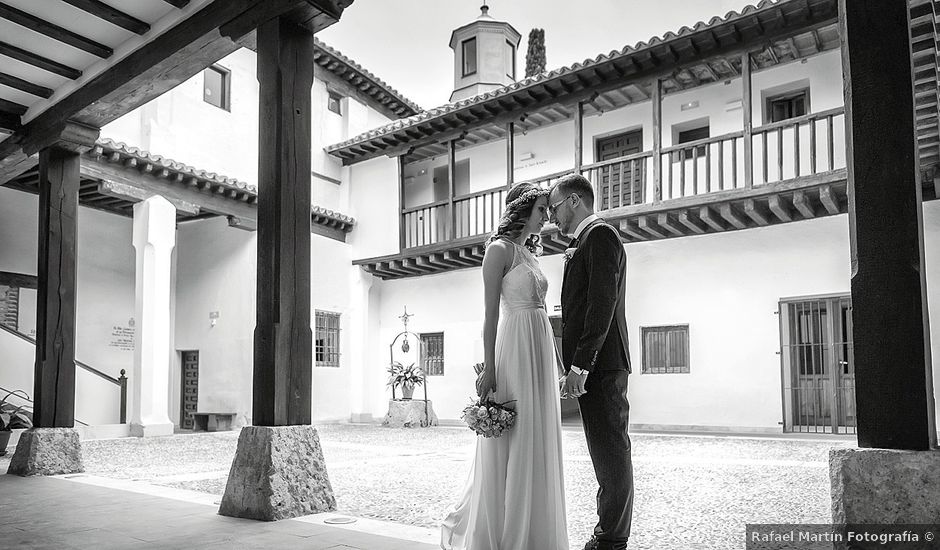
{"points": [[57, 513]]}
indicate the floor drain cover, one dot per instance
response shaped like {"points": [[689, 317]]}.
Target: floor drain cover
{"points": [[339, 520]]}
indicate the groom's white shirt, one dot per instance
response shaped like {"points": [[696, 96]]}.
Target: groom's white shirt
{"points": [[584, 223], [577, 235]]}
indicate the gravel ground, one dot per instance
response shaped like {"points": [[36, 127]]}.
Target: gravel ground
{"points": [[691, 491]]}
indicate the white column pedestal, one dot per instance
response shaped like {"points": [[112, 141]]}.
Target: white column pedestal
{"points": [[154, 239]]}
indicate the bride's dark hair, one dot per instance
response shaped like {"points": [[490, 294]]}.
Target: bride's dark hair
{"points": [[519, 203]]}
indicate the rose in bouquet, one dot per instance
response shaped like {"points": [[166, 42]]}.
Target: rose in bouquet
{"points": [[489, 418]]}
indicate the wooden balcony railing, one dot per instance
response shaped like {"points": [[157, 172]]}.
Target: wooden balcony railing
{"points": [[794, 148]]}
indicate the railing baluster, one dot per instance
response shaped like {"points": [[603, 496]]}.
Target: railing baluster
{"points": [[721, 164], [796, 150], [831, 144], [668, 158], [708, 168], [780, 153], [622, 189], [681, 172], [763, 136], [812, 146], [734, 162]]}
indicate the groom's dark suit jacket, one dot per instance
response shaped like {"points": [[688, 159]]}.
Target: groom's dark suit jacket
{"points": [[593, 302]]}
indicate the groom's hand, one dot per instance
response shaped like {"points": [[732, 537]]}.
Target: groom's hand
{"points": [[574, 384]]}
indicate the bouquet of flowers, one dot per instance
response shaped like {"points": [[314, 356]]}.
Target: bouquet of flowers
{"points": [[489, 418]]}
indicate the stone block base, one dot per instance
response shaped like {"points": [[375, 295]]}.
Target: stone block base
{"points": [[883, 486], [151, 430], [47, 452], [409, 414], [277, 473]]}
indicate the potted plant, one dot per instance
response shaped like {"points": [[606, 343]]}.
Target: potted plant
{"points": [[12, 417], [406, 377]]}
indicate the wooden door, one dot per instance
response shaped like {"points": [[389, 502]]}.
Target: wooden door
{"points": [[621, 184], [189, 393]]}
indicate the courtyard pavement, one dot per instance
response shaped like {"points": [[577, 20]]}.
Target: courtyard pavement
{"points": [[692, 491]]}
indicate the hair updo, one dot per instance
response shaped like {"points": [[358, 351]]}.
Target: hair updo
{"points": [[519, 203]]}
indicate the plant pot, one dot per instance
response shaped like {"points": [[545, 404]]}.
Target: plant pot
{"points": [[4, 441], [407, 391]]}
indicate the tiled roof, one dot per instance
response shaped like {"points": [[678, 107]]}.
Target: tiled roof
{"points": [[544, 77], [117, 152], [374, 80]]}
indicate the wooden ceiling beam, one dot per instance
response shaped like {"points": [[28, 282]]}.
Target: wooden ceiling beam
{"points": [[728, 213], [829, 200], [111, 15], [54, 32], [39, 61], [25, 86], [802, 204], [705, 214], [11, 107], [10, 123], [647, 224], [665, 222], [177, 3], [753, 211]]}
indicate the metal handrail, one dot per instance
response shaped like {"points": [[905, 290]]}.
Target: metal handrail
{"points": [[120, 382]]}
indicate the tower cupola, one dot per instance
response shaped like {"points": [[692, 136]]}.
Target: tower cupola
{"points": [[484, 55]]}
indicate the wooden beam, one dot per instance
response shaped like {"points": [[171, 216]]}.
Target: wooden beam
{"points": [[705, 214], [578, 137], [729, 214], [664, 220], [54, 32], [686, 218], [136, 194], [18, 280], [178, 3], [24, 86], [657, 105], [12, 108], [39, 61], [803, 205], [283, 354], [10, 123], [748, 119], [510, 153], [111, 15], [894, 393], [753, 211], [829, 201], [648, 225], [780, 208], [141, 184]]}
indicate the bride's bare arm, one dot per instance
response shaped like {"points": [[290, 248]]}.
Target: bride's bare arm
{"points": [[497, 258]]}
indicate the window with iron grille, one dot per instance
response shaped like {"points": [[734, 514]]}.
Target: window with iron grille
{"points": [[432, 353], [217, 87], [326, 341], [666, 349], [9, 306]]}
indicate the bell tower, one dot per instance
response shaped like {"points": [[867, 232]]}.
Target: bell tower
{"points": [[484, 55]]}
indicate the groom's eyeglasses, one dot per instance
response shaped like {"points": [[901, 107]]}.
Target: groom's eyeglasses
{"points": [[553, 207]]}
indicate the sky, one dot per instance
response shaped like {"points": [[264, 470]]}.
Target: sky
{"points": [[406, 42]]}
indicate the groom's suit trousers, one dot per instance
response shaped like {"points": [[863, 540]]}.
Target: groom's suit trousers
{"points": [[605, 413]]}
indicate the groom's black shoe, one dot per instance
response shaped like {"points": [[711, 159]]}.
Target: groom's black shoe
{"points": [[595, 544]]}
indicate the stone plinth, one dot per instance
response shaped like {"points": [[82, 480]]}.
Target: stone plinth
{"points": [[47, 452], [277, 473], [879, 486], [409, 413]]}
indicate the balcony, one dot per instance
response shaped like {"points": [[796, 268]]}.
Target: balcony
{"points": [[786, 171]]}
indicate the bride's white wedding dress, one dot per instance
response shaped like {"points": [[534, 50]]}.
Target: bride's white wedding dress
{"points": [[515, 498]]}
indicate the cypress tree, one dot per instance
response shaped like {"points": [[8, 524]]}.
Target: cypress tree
{"points": [[535, 55]]}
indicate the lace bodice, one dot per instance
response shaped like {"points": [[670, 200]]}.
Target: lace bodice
{"points": [[524, 285]]}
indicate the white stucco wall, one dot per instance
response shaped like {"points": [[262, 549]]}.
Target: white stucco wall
{"points": [[373, 200], [105, 275]]}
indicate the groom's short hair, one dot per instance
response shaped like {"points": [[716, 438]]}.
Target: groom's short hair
{"points": [[578, 184]]}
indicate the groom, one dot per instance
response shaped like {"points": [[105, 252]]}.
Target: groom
{"points": [[595, 351]]}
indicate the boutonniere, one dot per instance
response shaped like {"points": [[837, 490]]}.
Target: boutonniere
{"points": [[569, 252]]}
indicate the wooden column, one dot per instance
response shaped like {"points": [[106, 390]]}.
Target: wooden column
{"points": [[401, 203], [510, 153], [657, 101], [578, 137], [54, 380], [451, 175], [748, 119], [283, 352], [893, 379]]}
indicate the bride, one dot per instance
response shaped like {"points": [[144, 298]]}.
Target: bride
{"points": [[515, 498]]}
